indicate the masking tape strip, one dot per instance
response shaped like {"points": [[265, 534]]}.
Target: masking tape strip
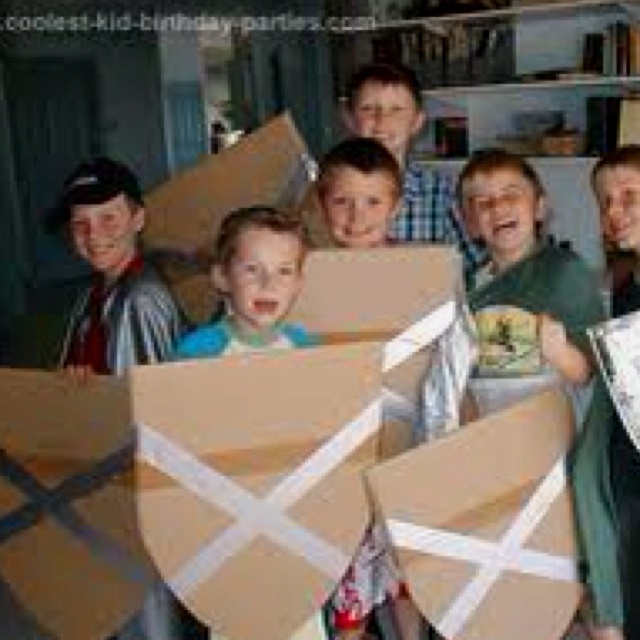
{"points": [[257, 516], [457, 546], [56, 504], [495, 558], [418, 335]]}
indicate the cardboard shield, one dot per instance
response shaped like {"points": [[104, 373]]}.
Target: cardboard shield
{"points": [[271, 166], [482, 523], [249, 473], [69, 545]]}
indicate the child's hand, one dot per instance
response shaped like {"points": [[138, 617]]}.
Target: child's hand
{"points": [[553, 339], [79, 374], [560, 353]]}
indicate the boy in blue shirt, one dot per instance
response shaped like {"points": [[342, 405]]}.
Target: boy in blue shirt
{"points": [[259, 256]]}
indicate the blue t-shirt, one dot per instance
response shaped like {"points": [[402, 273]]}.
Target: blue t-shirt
{"points": [[219, 338]]}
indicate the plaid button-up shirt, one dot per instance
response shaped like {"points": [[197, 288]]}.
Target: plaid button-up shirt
{"points": [[428, 214]]}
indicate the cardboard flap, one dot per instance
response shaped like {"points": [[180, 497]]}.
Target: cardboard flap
{"points": [[350, 294], [477, 482], [266, 167], [223, 439], [68, 522], [46, 413]]}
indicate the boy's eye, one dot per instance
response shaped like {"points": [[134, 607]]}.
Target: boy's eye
{"points": [[249, 268], [286, 271], [488, 202], [631, 197], [373, 202], [107, 219], [79, 225]]}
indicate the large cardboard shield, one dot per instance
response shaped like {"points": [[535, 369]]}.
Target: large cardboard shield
{"points": [[270, 166], [482, 522], [249, 473], [70, 551]]}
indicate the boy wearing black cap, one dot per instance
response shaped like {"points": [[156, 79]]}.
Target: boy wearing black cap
{"points": [[127, 316]]}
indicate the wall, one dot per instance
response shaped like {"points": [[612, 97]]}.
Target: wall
{"points": [[12, 300], [130, 116], [183, 109]]}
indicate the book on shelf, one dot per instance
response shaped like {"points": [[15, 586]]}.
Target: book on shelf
{"points": [[629, 125], [603, 120]]}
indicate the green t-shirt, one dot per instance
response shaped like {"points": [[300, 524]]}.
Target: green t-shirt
{"points": [[552, 280]]}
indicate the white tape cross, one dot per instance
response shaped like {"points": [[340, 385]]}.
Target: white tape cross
{"points": [[265, 516], [492, 558], [258, 516]]}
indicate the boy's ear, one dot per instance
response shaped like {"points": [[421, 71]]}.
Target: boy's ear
{"points": [[419, 121], [542, 209], [139, 218], [348, 119], [219, 278]]}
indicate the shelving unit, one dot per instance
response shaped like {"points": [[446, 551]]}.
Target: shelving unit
{"points": [[540, 38], [630, 83], [494, 101], [520, 10]]}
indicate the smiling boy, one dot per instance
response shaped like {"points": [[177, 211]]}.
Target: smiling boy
{"points": [[258, 261]]}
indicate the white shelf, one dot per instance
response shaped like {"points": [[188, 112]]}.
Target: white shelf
{"points": [[631, 82], [559, 160], [547, 10]]}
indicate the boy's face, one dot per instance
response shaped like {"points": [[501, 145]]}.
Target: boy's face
{"points": [[359, 207], [617, 190], [263, 277], [388, 113], [505, 207], [106, 234]]}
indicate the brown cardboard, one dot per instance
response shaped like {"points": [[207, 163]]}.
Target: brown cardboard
{"points": [[351, 295], [475, 482], [255, 419], [267, 167], [55, 429]]}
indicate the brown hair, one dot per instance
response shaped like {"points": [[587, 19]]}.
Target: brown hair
{"points": [[260, 216], [495, 159], [626, 156], [385, 73], [365, 155]]}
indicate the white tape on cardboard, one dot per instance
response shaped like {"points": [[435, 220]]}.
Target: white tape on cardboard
{"points": [[258, 516], [492, 558]]}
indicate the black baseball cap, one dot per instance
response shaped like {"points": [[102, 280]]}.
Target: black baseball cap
{"points": [[93, 182]]}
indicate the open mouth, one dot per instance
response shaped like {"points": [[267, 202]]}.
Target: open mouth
{"points": [[506, 226], [265, 307], [360, 232]]}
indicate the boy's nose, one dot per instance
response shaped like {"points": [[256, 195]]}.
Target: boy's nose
{"points": [[91, 228], [268, 279], [613, 210], [357, 214]]}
